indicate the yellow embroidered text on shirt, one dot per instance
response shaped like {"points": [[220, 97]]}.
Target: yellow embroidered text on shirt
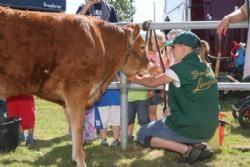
{"points": [[202, 85], [197, 74]]}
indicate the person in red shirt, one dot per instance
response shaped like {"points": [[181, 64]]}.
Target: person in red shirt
{"points": [[23, 106]]}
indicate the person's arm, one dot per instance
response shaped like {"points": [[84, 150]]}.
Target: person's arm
{"points": [[236, 16], [83, 10], [151, 81]]}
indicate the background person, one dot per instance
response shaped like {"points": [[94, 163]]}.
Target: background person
{"points": [[170, 60], [155, 97], [3, 108], [98, 8], [108, 107], [192, 96], [23, 106], [238, 15], [108, 114], [138, 106], [89, 132]]}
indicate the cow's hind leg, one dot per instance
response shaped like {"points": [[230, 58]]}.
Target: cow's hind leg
{"points": [[75, 108]]}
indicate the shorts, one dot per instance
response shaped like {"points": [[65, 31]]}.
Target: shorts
{"points": [[24, 108], [141, 108], [161, 130], [155, 100], [109, 115]]}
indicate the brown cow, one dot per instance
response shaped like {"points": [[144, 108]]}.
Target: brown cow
{"points": [[67, 59]]}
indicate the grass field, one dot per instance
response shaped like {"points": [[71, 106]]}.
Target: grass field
{"points": [[53, 146]]}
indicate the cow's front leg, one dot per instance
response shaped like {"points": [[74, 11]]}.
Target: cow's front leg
{"points": [[75, 110]]}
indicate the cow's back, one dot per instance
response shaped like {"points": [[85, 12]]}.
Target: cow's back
{"points": [[44, 51]]}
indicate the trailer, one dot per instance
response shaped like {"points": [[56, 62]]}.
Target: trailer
{"points": [[209, 10], [36, 5]]}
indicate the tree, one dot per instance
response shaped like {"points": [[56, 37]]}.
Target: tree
{"points": [[125, 9]]}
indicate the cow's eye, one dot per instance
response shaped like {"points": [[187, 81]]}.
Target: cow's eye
{"points": [[142, 48]]}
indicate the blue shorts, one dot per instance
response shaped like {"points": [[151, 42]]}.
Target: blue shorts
{"points": [[161, 130], [141, 108], [155, 100]]}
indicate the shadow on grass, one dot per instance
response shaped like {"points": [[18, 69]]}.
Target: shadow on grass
{"points": [[134, 156], [50, 142], [100, 156], [59, 156], [241, 131]]}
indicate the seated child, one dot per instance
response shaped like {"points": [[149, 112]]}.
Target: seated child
{"points": [[89, 133]]}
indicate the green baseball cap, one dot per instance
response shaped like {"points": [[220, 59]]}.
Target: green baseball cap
{"points": [[186, 38]]}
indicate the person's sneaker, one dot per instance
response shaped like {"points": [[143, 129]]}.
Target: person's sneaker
{"points": [[115, 143], [130, 139], [104, 142], [29, 140], [21, 137], [191, 156], [206, 152], [88, 142]]}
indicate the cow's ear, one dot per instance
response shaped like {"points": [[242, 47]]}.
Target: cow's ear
{"points": [[136, 30]]}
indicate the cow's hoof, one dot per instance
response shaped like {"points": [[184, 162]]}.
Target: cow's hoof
{"points": [[78, 165], [74, 163]]}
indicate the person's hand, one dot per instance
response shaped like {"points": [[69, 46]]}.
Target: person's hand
{"points": [[132, 78], [154, 69], [223, 27]]}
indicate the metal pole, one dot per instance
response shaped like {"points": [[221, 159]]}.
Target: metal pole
{"points": [[194, 25], [131, 11], [190, 25], [124, 111], [239, 86], [154, 10]]}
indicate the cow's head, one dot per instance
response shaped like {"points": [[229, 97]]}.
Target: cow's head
{"points": [[136, 60]]}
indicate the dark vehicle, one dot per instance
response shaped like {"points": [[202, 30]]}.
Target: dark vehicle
{"points": [[36, 5], [241, 111], [207, 10]]}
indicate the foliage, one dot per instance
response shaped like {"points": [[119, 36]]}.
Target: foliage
{"points": [[125, 9]]}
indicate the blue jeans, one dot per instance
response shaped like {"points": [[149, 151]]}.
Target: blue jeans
{"points": [[139, 107], [161, 130]]}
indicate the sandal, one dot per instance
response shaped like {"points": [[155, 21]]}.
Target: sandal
{"points": [[191, 156], [206, 151]]}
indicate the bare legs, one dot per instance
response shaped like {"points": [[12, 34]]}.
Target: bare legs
{"points": [[130, 129], [168, 145], [153, 112], [115, 130]]}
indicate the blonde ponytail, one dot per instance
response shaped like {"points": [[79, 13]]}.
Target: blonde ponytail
{"points": [[204, 50]]}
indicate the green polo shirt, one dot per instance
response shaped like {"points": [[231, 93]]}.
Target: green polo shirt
{"points": [[194, 105]]}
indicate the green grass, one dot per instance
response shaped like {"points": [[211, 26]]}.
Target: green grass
{"points": [[53, 146]]}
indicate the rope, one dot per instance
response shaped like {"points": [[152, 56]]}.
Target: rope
{"points": [[217, 64], [148, 41]]}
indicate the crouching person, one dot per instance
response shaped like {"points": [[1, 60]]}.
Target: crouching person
{"points": [[192, 99]]}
